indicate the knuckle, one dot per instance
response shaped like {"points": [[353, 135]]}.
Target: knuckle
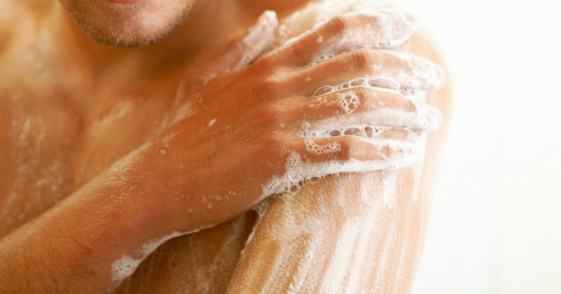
{"points": [[262, 88], [265, 62], [396, 101], [368, 97], [339, 24], [269, 88], [412, 106], [363, 59], [295, 50], [271, 142], [393, 152], [365, 94], [272, 115], [348, 147], [276, 147]]}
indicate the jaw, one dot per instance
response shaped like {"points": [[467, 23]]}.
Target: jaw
{"points": [[125, 24]]}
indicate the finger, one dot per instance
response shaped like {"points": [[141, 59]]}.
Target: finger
{"points": [[323, 156], [401, 134], [242, 51], [362, 107], [310, 158], [377, 68], [371, 29]]}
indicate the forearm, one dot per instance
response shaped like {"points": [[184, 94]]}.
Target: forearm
{"points": [[73, 247]]}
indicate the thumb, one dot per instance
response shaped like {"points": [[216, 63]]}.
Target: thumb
{"points": [[244, 50]]}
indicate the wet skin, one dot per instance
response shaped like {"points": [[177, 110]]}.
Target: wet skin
{"points": [[64, 124]]}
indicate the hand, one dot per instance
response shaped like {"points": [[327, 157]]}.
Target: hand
{"points": [[266, 128], [240, 137]]}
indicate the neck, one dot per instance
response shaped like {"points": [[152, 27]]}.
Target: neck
{"points": [[221, 20]]}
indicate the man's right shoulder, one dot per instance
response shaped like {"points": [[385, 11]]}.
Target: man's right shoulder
{"points": [[17, 14], [9, 21]]}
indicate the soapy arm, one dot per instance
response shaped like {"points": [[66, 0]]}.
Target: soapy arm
{"points": [[242, 137], [96, 237], [352, 233], [192, 261]]}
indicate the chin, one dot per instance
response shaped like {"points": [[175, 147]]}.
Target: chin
{"points": [[128, 23]]}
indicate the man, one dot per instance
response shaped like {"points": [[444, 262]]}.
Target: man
{"points": [[145, 118]]}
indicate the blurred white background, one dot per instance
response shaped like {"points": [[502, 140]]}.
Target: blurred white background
{"points": [[496, 224]]}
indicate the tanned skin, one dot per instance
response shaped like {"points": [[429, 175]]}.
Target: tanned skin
{"points": [[117, 133]]}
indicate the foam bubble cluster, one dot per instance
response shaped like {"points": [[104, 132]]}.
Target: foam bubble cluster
{"points": [[358, 131], [320, 58], [379, 83], [421, 74], [298, 172], [287, 183], [313, 147], [124, 267], [347, 101]]}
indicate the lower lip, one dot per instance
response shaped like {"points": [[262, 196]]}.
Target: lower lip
{"points": [[127, 1]]}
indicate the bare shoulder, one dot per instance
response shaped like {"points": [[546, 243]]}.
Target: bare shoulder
{"points": [[422, 43], [18, 15], [316, 12], [9, 9]]}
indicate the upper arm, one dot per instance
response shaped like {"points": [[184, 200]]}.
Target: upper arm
{"points": [[351, 233]]}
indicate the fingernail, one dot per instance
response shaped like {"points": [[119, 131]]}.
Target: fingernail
{"points": [[410, 17], [441, 74], [411, 21], [435, 119]]}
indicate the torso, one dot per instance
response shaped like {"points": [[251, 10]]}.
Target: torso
{"points": [[59, 129], [53, 141]]}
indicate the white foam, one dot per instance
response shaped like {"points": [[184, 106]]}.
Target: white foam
{"points": [[421, 73], [348, 101], [357, 130], [186, 110], [313, 147], [298, 170], [259, 38], [379, 83], [126, 265], [389, 33], [359, 239], [421, 119]]}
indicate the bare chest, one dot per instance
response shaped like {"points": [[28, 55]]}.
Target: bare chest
{"points": [[50, 145]]}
